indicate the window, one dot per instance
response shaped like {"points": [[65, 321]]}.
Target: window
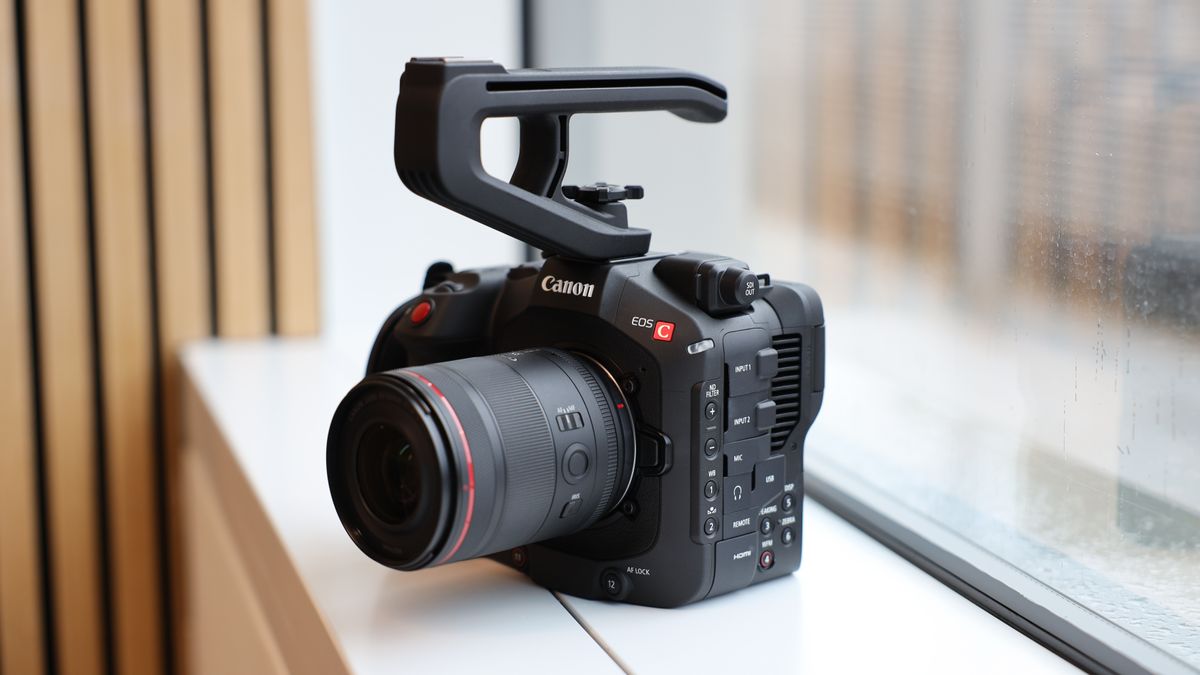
{"points": [[1000, 204]]}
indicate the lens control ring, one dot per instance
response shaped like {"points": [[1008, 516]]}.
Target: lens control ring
{"points": [[622, 404]]}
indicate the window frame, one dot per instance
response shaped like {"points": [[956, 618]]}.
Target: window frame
{"points": [[1074, 632]]}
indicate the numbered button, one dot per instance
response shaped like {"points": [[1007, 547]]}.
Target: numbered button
{"points": [[787, 503], [611, 583], [787, 536]]}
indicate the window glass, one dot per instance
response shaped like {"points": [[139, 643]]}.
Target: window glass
{"points": [[1000, 204]]}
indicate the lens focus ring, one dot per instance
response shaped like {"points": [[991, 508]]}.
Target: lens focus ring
{"points": [[528, 470]]}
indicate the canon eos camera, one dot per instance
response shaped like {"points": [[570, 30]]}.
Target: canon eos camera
{"points": [[614, 423]]}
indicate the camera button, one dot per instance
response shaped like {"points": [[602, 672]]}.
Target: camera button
{"points": [[576, 462], [787, 536], [701, 346], [710, 411], [710, 448], [788, 502], [612, 583], [710, 489], [420, 313], [766, 526], [571, 508], [710, 527], [767, 559]]}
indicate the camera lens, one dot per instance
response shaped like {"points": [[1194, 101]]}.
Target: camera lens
{"points": [[455, 460], [393, 489]]}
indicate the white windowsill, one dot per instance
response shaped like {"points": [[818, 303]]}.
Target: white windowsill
{"points": [[853, 607]]}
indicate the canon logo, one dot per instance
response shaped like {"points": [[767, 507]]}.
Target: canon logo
{"points": [[553, 284]]}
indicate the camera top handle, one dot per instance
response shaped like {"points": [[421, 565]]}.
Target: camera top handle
{"points": [[443, 103]]}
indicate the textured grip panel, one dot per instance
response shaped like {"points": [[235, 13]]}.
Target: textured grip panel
{"points": [[530, 462]]}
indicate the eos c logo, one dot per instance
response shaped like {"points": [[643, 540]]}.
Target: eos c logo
{"points": [[662, 331]]}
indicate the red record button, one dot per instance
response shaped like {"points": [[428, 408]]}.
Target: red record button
{"points": [[664, 331], [420, 313]]}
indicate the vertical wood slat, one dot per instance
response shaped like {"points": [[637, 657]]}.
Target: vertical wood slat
{"points": [[176, 109], [21, 646], [291, 126], [62, 283], [126, 342], [239, 169]]}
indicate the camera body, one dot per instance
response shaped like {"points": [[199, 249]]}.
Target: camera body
{"points": [[723, 394], [615, 423]]}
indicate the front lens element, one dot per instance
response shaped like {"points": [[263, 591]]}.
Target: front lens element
{"points": [[390, 474]]}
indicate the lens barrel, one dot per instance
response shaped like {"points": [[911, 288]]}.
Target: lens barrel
{"points": [[460, 459]]}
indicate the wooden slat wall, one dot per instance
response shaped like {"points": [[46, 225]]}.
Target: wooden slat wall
{"points": [[155, 187]]}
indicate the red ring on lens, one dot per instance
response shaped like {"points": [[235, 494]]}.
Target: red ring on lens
{"points": [[470, 484]]}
